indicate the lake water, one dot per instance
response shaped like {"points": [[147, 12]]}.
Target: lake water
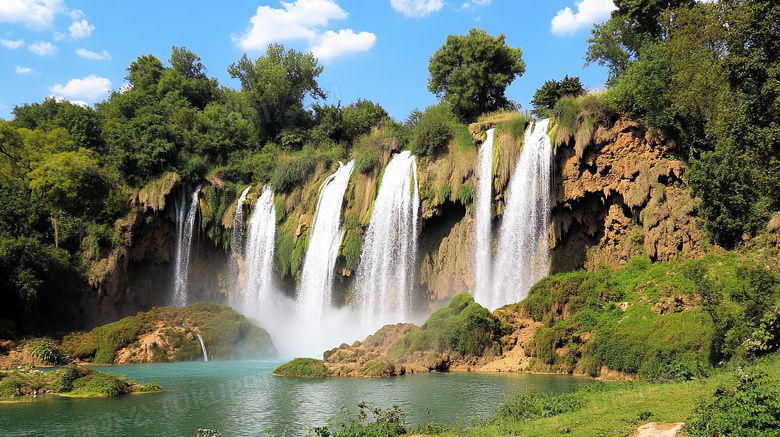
{"points": [[242, 398]]}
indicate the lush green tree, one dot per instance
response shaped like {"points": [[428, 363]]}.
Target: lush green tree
{"points": [[144, 74], [82, 123], [277, 83], [548, 95], [344, 125], [617, 42], [471, 72], [189, 77], [220, 132]]}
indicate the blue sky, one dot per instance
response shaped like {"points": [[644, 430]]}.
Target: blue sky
{"points": [[378, 49]]}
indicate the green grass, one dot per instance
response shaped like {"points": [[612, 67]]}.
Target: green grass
{"points": [[650, 320], [74, 381], [308, 367]]}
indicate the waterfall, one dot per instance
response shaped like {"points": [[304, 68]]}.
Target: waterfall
{"points": [[385, 275], [238, 238], [484, 235], [259, 254], [326, 233], [202, 346], [184, 230], [523, 253]]}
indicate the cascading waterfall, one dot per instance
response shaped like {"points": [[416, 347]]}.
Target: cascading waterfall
{"points": [[238, 238], [184, 228], [260, 252], [202, 346], [484, 235], [326, 233], [385, 274], [523, 253]]}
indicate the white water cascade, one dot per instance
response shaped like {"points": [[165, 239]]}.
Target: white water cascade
{"points": [[260, 252], [484, 235], [326, 233], [202, 346], [385, 275], [523, 252], [184, 228], [238, 239]]}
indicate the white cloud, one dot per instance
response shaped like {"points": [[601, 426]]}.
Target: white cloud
{"points": [[418, 8], [81, 29], [34, 14], [81, 103], [103, 56], [588, 13], [24, 70], [302, 20], [42, 48], [12, 44], [89, 88], [333, 45], [297, 21]]}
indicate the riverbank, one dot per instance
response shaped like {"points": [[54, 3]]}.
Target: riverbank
{"points": [[72, 381]]}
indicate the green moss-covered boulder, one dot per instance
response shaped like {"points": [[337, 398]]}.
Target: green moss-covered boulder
{"points": [[308, 367]]}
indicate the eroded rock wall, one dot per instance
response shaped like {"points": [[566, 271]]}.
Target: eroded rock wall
{"points": [[624, 196]]}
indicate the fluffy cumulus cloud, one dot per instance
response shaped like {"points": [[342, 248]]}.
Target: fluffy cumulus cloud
{"points": [[24, 70], [81, 29], [566, 22], [420, 8], [12, 44], [43, 48], [333, 45], [34, 14], [302, 20], [296, 21], [86, 54], [89, 88]]}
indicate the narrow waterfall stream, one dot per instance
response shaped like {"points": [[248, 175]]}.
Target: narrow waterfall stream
{"points": [[184, 231], [238, 240], [202, 346], [316, 287], [483, 246], [259, 254], [385, 274], [523, 253]]}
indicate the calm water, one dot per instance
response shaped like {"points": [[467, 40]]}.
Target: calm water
{"points": [[242, 398]]}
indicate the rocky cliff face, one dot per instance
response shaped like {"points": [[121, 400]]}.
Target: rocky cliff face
{"points": [[622, 197]]}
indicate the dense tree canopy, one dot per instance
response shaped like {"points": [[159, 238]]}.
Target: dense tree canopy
{"points": [[471, 72]]}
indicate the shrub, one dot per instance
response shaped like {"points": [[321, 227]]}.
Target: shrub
{"points": [[47, 352], [292, 173], [748, 406], [386, 423], [434, 130]]}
